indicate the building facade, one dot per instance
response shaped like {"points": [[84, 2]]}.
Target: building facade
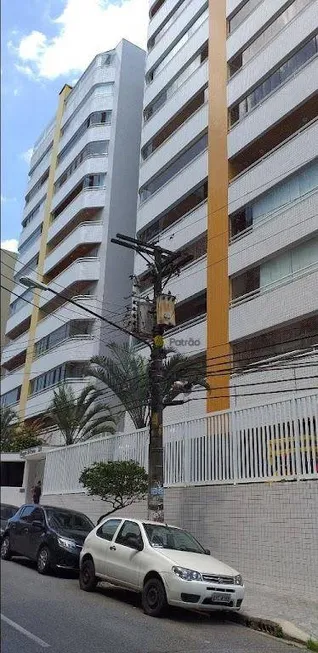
{"points": [[82, 190], [7, 266], [229, 173]]}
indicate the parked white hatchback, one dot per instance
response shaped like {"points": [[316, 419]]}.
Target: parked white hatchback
{"points": [[166, 564]]}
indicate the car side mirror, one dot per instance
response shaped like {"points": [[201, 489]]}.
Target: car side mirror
{"points": [[37, 525], [135, 543], [207, 552]]}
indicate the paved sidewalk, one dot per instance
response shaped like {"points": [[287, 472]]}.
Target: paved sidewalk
{"points": [[268, 603]]}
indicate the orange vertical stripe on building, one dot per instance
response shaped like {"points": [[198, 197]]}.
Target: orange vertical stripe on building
{"points": [[218, 294]]}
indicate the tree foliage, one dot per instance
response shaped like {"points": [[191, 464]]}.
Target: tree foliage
{"points": [[120, 483], [17, 436], [83, 417], [126, 373]]}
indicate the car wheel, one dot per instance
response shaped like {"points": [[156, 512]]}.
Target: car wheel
{"points": [[87, 578], [43, 561], [154, 600], [5, 548]]}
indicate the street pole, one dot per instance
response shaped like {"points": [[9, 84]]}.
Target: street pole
{"points": [[156, 462]]}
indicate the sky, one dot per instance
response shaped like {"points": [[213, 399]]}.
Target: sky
{"points": [[45, 44]]}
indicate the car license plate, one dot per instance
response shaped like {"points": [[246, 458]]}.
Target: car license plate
{"points": [[219, 597]]}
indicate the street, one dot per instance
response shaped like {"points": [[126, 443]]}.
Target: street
{"points": [[48, 612]]}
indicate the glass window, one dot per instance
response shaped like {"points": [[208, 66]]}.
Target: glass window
{"points": [[67, 520], [166, 537], [184, 159], [108, 529], [273, 81], [26, 512], [128, 529], [242, 14], [37, 515], [10, 397]]}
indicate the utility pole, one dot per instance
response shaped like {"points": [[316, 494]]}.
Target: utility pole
{"points": [[163, 265]]}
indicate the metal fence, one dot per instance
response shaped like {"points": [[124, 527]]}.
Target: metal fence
{"points": [[273, 442]]}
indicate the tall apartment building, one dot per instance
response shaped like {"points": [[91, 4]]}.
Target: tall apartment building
{"points": [[229, 172], [82, 190], [7, 264]]}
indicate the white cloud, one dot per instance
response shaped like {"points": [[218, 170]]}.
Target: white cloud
{"points": [[84, 29], [16, 92], [27, 156], [11, 245]]}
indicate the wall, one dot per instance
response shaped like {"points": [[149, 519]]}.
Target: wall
{"points": [[7, 270], [269, 531], [13, 495]]}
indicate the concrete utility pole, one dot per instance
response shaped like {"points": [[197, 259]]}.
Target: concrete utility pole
{"points": [[163, 265]]}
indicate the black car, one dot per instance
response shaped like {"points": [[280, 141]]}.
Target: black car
{"points": [[6, 511], [53, 537]]}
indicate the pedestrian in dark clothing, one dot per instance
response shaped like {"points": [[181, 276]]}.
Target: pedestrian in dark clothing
{"points": [[37, 492]]}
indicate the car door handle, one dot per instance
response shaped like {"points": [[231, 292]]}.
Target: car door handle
{"points": [[112, 548]]}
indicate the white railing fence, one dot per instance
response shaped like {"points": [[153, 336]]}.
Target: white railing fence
{"points": [[277, 441]]}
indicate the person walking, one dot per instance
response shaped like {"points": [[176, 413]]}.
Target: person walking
{"points": [[37, 492]]}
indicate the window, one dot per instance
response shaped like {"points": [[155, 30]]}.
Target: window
{"points": [[178, 164], [95, 118], [169, 537], [12, 475], [70, 330], [26, 512], [56, 375], [180, 210], [29, 241], [156, 8], [283, 194], [96, 148], [37, 186], [37, 515], [94, 181], [33, 213], [128, 529], [32, 265], [177, 11], [11, 397], [263, 39], [48, 149], [173, 51], [68, 520], [242, 14], [276, 79], [180, 79], [26, 297], [108, 529]]}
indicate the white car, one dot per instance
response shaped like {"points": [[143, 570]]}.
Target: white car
{"points": [[164, 563]]}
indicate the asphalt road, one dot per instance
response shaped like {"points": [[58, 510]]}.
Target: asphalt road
{"points": [[50, 613]]}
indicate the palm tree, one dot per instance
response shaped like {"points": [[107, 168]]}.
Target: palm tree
{"points": [[8, 425], [126, 373], [83, 417]]}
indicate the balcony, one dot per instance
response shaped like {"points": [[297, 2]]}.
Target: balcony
{"points": [[283, 101], [91, 165], [65, 313], [83, 269], [189, 177], [277, 231], [39, 171], [14, 348], [12, 380], [286, 41], [80, 348], [35, 222], [274, 167], [43, 142], [88, 199], [95, 75], [190, 10], [93, 103], [177, 142], [178, 235], [30, 252], [20, 316], [180, 60], [275, 305], [192, 280], [85, 233], [93, 133], [39, 403]]}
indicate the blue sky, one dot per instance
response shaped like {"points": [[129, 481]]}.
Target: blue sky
{"points": [[46, 43]]}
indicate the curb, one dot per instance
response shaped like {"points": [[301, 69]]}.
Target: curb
{"points": [[277, 628]]}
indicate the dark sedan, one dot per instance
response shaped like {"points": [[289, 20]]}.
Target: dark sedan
{"points": [[53, 537], [7, 511]]}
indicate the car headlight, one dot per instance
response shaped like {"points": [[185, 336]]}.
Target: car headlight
{"points": [[238, 580], [65, 543], [186, 574]]}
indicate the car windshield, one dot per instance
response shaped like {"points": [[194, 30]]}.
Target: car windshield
{"points": [[168, 537], [69, 521]]}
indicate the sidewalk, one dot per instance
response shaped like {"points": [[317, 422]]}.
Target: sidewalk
{"points": [[271, 604]]}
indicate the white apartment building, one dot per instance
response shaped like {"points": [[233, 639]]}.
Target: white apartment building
{"points": [[249, 68], [82, 190]]}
